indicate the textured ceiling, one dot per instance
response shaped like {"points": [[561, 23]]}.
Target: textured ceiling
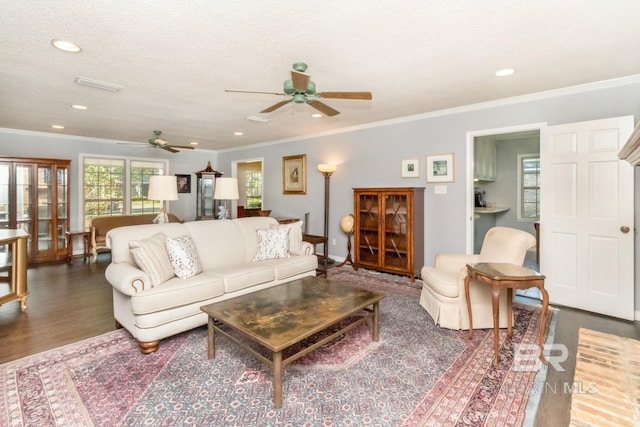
{"points": [[176, 58]]}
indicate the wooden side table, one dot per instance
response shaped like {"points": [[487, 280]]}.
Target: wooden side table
{"points": [[506, 276], [317, 240], [86, 240]]}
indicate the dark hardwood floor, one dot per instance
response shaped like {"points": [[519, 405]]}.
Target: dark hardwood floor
{"points": [[72, 302]]}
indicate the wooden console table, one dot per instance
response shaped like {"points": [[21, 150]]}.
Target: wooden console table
{"points": [[506, 276], [17, 267]]}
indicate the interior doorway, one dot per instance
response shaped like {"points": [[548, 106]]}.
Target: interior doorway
{"points": [[499, 183], [250, 184]]}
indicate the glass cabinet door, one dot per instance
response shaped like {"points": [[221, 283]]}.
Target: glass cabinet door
{"points": [[45, 199], [62, 183], [24, 215], [395, 230], [5, 173], [367, 236]]}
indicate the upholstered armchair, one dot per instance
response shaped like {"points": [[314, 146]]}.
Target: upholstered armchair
{"points": [[443, 289]]}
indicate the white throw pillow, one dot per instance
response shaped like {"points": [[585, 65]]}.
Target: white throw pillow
{"points": [[295, 236], [272, 243], [183, 256], [151, 256]]}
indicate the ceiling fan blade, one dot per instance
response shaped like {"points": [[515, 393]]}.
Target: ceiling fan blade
{"points": [[323, 108], [166, 147], [346, 95], [251, 91], [183, 147], [276, 106], [300, 80]]}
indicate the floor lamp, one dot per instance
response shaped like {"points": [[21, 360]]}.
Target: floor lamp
{"points": [[162, 188], [326, 170], [226, 189]]}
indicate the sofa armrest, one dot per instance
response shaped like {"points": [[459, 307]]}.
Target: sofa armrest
{"points": [[127, 279], [307, 248], [454, 262]]}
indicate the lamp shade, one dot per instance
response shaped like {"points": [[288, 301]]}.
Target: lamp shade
{"points": [[226, 189], [326, 168], [163, 187]]}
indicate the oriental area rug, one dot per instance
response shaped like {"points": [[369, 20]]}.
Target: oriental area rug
{"points": [[608, 375], [417, 374]]}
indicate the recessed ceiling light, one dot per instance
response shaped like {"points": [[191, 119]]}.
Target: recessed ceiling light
{"points": [[66, 46], [57, 126], [238, 133], [79, 107], [316, 115], [194, 143], [505, 72]]}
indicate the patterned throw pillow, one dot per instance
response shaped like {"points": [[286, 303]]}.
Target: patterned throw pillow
{"points": [[151, 256], [183, 256], [272, 243], [295, 236]]}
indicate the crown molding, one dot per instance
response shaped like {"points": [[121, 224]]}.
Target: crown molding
{"points": [[554, 93]]}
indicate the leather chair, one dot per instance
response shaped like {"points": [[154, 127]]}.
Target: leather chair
{"points": [[443, 285]]}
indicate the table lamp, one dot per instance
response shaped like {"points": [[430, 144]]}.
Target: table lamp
{"points": [[162, 188], [226, 189]]}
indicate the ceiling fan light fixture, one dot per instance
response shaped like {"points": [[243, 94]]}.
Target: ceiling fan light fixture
{"points": [[316, 115]]}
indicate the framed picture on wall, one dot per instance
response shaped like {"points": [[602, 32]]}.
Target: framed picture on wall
{"points": [[294, 174], [411, 168], [184, 183], [441, 168]]}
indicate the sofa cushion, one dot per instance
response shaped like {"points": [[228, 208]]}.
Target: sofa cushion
{"points": [[183, 256], [272, 243], [177, 292], [151, 256], [219, 243], [244, 275], [287, 267]]}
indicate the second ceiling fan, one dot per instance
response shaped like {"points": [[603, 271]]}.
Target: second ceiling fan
{"points": [[302, 90]]}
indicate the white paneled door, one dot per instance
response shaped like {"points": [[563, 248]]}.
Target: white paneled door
{"points": [[586, 219]]}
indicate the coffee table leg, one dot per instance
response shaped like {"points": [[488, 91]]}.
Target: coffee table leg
{"points": [[277, 380], [211, 343], [375, 333]]}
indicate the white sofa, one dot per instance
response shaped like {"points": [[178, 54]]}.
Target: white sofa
{"points": [[226, 251]]}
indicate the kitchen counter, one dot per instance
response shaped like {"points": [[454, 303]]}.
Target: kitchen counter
{"points": [[492, 210]]}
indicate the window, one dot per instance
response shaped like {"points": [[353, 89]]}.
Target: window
{"points": [[254, 188], [529, 187], [117, 186]]}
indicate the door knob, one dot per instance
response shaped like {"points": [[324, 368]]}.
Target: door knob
{"points": [[625, 229]]}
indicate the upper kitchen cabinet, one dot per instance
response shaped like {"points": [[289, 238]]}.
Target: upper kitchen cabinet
{"points": [[485, 159]]}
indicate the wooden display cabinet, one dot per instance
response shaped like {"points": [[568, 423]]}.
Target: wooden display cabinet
{"points": [[206, 206], [34, 197], [389, 229]]}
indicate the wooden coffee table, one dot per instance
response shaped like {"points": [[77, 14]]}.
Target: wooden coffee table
{"points": [[282, 316]]}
